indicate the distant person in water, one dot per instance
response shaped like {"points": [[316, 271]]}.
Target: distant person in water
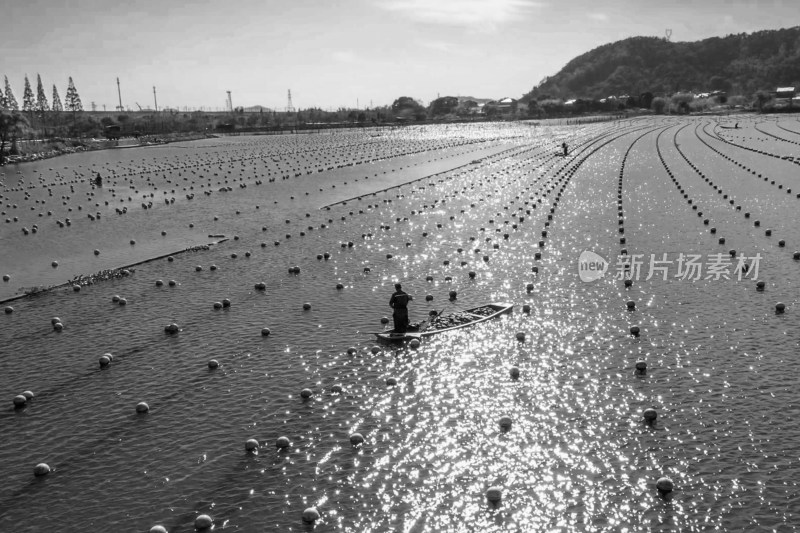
{"points": [[566, 149], [399, 302]]}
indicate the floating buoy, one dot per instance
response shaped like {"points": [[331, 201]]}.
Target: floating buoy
{"points": [[375, 350], [306, 393], [213, 363], [414, 344], [628, 282], [428, 297], [356, 439], [54, 264], [641, 367], [351, 350], [384, 320], [6, 277], [58, 326], [251, 445], [650, 415], [635, 331], [760, 285], [282, 443], [217, 305], [8, 310], [337, 389], [664, 485], [158, 529], [339, 286], [104, 361], [159, 283], [42, 469], [631, 304], [172, 328], [521, 336], [780, 307], [306, 306], [494, 494], [514, 372], [20, 400], [265, 332], [142, 407], [453, 295], [203, 522], [310, 515], [172, 283], [505, 423], [391, 382]]}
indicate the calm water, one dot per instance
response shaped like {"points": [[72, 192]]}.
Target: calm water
{"points": [[461, 199]]}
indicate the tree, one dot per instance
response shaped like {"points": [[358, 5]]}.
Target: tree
{"points": [[41, 99], [3, 101], [56, 100], [28, 103], [12, 124], [658, 105], [73, 101], [11, 101]]}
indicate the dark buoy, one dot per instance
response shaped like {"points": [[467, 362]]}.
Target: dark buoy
{"points": [[640, 367], [650, 415], [664, 485]]}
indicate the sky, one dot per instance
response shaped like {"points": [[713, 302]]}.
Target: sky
{"points": [[334, 53]]}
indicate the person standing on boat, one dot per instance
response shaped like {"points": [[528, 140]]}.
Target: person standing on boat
{"points": [[399, 302]]}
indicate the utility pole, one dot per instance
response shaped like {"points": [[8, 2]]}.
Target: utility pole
{"points": [[155, 100], [230, 102], [119, 93]]}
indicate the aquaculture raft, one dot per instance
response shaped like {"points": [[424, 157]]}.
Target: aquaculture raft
{"points": [[440, 324]]}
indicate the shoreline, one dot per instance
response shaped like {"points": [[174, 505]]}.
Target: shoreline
{"points": [[93, 145]]}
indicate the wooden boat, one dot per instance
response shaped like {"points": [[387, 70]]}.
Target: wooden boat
{"points": [[441, 324]]}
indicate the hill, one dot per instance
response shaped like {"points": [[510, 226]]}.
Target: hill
{"points": [[737, 64]]}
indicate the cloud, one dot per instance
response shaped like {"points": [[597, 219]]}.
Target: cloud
{"points": [[344, 56], [440, 46], [602, 17], [484, 15]]}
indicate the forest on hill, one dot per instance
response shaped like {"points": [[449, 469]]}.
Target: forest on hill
{"points": [[739, 64]]}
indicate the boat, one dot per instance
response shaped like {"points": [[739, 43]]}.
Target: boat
{"points": [[440, 324]]}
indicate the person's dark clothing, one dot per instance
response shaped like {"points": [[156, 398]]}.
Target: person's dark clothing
{"points": [[399, 302]]}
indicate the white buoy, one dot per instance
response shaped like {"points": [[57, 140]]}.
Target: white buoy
{"points": [[142, 407], [310, 515], [58, 326], [20, 400], [213, 363], [42, 469], [356, 439], [9, 310], [158, 529], [104, 360], [494, 494], [115, 298], [203, 522], [306, 393], [282, 443], [664, 485], [251, 445]]}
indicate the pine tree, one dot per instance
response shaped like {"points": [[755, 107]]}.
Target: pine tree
{"points": [[56, 100], [73, 101], [11, 101], [41, 99], [28, 104], [3, 101]]}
